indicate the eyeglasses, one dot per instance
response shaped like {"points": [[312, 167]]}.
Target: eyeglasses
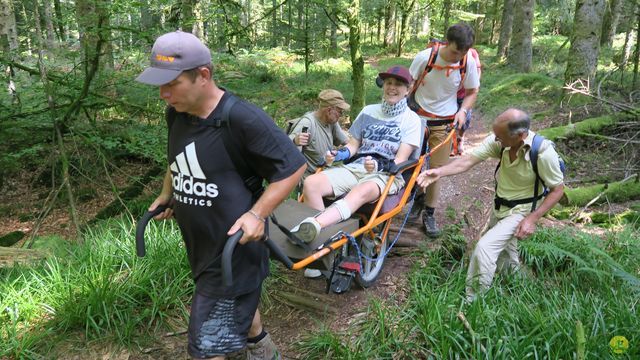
{"points": [[339, 111]]}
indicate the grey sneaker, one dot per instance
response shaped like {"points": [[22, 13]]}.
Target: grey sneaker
{"points": [[307, 230], [312, 273], [430, 227], [264, 349]]}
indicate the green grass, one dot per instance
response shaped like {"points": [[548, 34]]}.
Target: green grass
{"points": [[529, 315], [99, 289]]}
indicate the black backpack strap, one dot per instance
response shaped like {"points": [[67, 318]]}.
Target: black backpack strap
{"points": [[251, 180]]}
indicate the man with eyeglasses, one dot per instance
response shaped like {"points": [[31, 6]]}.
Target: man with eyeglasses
{"points": [[515, 215], [318, 131]]}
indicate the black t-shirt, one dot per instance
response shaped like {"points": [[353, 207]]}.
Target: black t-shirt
{"points": [[209, 194]]}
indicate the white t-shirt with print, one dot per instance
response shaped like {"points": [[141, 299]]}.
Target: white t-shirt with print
{"points": [[381, 135]]}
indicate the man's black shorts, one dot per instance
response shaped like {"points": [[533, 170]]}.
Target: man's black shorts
{"points": [[220, 326]]}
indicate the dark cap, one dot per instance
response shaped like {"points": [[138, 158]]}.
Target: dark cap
{"points": [[172, 54], [399, 72]]}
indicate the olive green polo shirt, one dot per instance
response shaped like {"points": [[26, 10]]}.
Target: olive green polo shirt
{"points": [[516, 179]]}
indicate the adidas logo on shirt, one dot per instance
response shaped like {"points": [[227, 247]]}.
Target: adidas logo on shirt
{"points": [[185, 175]]}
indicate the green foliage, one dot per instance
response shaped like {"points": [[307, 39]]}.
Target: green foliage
{"points": [[523, 315]]}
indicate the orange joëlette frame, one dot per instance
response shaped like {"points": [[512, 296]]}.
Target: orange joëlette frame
{"points": [[374, 220]]}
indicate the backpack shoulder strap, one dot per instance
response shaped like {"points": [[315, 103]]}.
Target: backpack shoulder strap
{"points": [[428, 67], [533, 156], [463, 68], [234, 149], [291, 124], [535, 150]]}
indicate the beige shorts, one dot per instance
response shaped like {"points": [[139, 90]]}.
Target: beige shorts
{"points": [[343, 178]]}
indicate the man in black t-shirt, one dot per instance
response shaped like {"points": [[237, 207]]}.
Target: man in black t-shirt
{"points": [[209, 198]]}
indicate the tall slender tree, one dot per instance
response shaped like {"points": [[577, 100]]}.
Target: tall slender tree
{"points": [[610, 22], [357, 61], [406, 8], [585, 41], [505, 29], [520, 49], [389, 23], [8, 29]]}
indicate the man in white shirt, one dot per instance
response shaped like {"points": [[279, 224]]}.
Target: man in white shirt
{"points": [[439, 71]]}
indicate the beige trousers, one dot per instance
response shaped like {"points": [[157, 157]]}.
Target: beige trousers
{"points": [[439, 158], [496, 249]]}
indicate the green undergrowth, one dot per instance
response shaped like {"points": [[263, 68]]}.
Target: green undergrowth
{"points": [[568, 277], [99, 291], [99, 288], [502, 89]]}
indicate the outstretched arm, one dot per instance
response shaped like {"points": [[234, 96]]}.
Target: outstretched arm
{"points": [[458, 166], [253, 221]]}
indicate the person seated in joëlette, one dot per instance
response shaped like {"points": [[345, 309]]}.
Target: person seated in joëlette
{"points": [[382, 135]]}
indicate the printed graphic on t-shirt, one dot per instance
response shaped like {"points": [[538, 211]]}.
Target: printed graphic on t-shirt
{"points": [[189, 182], [380, 137]]}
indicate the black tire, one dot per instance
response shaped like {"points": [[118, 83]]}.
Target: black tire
{"points": [[370, 269]]}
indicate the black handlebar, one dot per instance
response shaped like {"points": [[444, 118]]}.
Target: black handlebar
{"points": [[227, 252], [230, 246], [142, 224]]}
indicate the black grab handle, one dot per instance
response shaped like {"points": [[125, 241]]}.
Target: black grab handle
{"points": [[142, 224], [230, 246]]}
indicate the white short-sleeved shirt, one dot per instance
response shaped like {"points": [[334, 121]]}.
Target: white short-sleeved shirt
{"points": [[438, 91], [516, 179]]}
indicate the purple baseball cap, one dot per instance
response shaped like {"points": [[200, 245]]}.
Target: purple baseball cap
{"points": [[399, 72], [173, 53]]}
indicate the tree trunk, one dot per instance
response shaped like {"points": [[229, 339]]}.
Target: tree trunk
{"points": [[8, 29], [307, 41], [274, 24], [636, 62], [333, 36], [146, 19], [520, 50], [505, 29], [585, 41], [626, 52], [62, 35], [479, 23], [357, 61], [494, 20], [446, 16], [187, 19], [48, 16], [389, 23], [426, 22], [610, 22], [198, 24], [406, 7]]}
